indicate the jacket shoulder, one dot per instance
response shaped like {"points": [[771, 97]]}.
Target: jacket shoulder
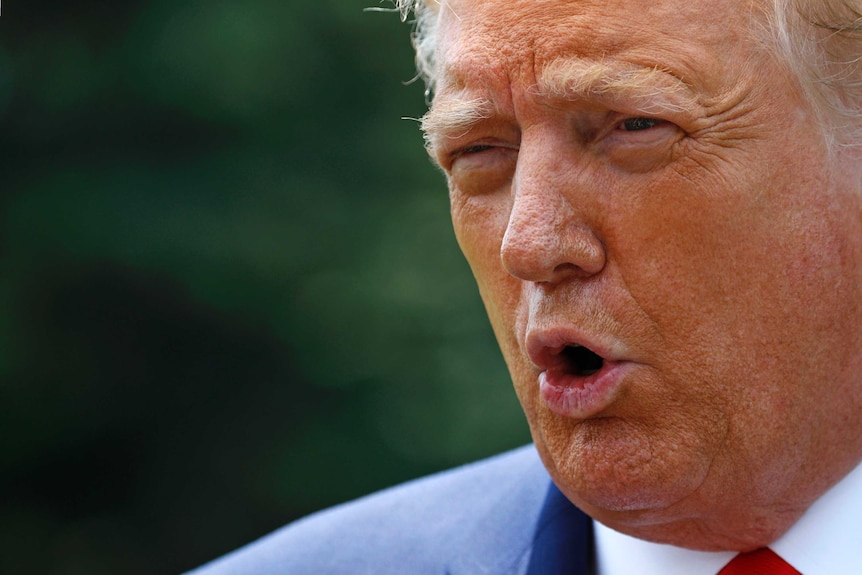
{"points": [[411, 528]]}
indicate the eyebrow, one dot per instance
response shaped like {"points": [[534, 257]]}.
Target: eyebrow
{"points": [[649, 91], [452, 117]]}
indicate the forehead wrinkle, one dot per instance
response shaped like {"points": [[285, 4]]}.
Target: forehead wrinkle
{"points": [[650, 89]]}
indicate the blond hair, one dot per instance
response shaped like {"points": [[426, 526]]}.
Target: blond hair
{"points": [[820, 41]]}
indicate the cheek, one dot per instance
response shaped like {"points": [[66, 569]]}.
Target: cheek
{"points": [[706, 257], [739, 274], [480, 223]]}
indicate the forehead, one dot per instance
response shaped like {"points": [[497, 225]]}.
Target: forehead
{"points": [[484, 42]]}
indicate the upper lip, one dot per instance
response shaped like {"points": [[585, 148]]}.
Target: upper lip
{"points": [[544, 346]]}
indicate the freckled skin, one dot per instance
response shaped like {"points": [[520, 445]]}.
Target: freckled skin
{"points": [[720, 249]]}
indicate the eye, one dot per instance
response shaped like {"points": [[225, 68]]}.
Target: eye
{"points": [[475, 149], [639, 143], [447, 159], [481, 168], [475, 155], [639, 124]]}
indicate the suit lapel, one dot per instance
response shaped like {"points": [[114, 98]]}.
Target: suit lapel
{"points": [[563, 542], [532, 530]]}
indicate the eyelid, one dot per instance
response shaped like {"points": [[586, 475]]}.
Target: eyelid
{"points": [[472, 149], [616, 120], [447, 156]]}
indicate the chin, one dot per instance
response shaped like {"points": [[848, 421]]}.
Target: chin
{"points": [[609, 467]]}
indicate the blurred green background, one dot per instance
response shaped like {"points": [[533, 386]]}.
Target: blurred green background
{"points": [[229, 287]]}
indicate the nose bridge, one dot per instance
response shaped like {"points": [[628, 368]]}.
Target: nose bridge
{"points": [[539, 208], [548, 236]]}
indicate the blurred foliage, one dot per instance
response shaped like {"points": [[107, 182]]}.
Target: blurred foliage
{"points": [[229, 291]]}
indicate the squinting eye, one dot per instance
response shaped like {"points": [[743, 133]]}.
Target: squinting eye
{"points": [[474, 149], [639, 124]]}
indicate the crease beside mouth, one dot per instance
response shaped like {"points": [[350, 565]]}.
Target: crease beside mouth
{"points": [[580, 361]]}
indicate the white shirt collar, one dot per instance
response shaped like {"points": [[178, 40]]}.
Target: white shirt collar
{"points": [[825, 541]]}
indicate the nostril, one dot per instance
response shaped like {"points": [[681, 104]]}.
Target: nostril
{"points": [[582, 361]]}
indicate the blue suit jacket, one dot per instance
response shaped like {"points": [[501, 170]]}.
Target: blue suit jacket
{"points": [[501, 516]]}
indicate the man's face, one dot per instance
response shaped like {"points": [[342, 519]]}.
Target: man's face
{"points": [[670, 267]]}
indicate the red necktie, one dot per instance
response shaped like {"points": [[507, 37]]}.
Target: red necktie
{"points": [[763, 561]]}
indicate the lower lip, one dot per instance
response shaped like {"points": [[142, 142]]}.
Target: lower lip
{"points": [[582, 397]]}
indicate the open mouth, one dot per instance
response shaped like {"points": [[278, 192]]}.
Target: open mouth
{"points": [[580, 361]]}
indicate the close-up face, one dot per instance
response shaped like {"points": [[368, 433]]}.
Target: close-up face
{"points": [[668, 256]]}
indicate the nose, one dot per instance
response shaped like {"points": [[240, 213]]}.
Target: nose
{"points": [[548, 237]]}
